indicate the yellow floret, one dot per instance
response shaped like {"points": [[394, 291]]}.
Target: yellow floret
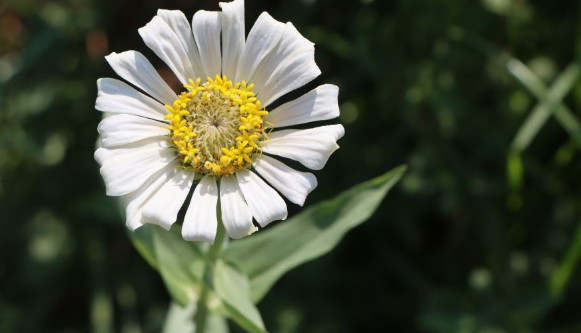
{"points": [[217, 96]]}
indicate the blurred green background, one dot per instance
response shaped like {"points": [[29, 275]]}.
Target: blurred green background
{"points": [[480, 98]]}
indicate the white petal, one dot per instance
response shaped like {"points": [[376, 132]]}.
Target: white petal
{"points": [[206, 29], [236, 214], [165, 43], [118, 97], [126, 168], [180, 25], [122, 129], [135, 200], [262, 39], [290, 66], [107, 155], [293, 184], [137, 70], [162, 209], [233, 34], [311, 147], [266, 205], [318, 104], [201, 223]]}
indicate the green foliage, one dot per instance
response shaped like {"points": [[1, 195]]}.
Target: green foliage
{"points": [[179, 320], [234, 289], [268, 255], [182, 266], [178, 264], [563, 273], [262, 258], [549, 104]]}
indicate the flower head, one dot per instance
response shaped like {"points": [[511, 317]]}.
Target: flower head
{"points": [[217, 134]]}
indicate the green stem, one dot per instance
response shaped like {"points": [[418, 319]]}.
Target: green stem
{"points": [[200, 318], [561, 276]]}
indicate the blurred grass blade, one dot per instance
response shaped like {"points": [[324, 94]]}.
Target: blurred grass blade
{"points": [[512, 65], [532, 83], [515, 175], [529, 81], [565, 270], [514, 168], [233, 287], [569, 122], [526, 77], [538, 117], [266, 256]]}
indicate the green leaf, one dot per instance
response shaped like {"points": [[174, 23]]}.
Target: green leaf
{"points": [[561, 276], [549, 104], [266, 256], [550, 101], [539, 115], [309, 235], [180, 320], [217, 324], [180, 264], [142, 239], [234, 289]]}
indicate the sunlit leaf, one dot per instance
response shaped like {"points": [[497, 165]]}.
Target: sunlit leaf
{"points": [[179, 320], [179, 262], [182, 266], [234, 289], [142, 239], [266, 256]]}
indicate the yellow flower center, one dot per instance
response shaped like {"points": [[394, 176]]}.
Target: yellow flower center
{"points": [[217, 126]]}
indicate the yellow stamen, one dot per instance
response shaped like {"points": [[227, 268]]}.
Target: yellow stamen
{"points": [[217, 126]]}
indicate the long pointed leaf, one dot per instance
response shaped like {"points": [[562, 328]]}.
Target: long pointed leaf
{"points": [[177, 261], [266, 256], [142, 239], [562, 275], [233, 287], [181, 265], [532, 83], [538, 117]]}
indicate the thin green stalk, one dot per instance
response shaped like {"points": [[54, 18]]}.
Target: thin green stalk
{"points": [[539, 115], [561, 276], [550, 101], [200, 318]]}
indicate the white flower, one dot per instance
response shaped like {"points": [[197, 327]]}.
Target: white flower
{"points": [[217, 130]]}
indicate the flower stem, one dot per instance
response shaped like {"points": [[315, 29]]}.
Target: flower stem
{"points": [[200, 318]]}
